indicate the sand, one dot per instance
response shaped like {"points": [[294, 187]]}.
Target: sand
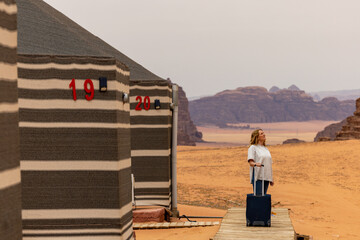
{"points": [[318, 182], [277, 132]]}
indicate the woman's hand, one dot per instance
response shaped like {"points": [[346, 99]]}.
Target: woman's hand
{"points": [[257, 165]]}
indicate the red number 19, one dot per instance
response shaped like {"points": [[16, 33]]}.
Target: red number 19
{"points": [[87, 90]]}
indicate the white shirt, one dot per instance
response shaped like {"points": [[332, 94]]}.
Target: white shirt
{"points": [[260, 154]]}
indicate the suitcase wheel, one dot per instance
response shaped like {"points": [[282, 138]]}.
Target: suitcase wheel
{"points": [[268, 223]]}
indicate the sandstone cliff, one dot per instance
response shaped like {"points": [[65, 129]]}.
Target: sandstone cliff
{"points": [[187, 132], [351, 130], [256, 104], [329, 132]]}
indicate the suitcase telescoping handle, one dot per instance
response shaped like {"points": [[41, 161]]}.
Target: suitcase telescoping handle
{"points": [[262, 165]]}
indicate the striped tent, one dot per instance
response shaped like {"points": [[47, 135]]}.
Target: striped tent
{"points": [[75, 149], [44, 30], [10, 188], [151, 141]]}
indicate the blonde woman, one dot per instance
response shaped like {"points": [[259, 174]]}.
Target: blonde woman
{"points": [[259, 155]]}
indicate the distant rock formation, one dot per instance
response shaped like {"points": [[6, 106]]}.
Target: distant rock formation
{"points": [[323, 139], [187, 132], [274, 89], [329, 132], [256, 104], [352, 94], [293, 140], [294, 88], [351, 130]]}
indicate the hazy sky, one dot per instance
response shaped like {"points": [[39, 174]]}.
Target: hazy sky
{"points": [[207, 46]]}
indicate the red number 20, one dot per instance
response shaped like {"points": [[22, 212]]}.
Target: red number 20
{"points": [[146, 103], [87, 90]]}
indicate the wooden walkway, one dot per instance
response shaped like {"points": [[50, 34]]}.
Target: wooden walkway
{"points": [[233, 226]]}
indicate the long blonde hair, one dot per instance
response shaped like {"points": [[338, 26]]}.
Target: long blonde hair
{"points": [[255, 137]]}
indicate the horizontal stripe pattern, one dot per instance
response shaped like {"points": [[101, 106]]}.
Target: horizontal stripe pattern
{"points": [[75, 165], [76, 189], [150, 153], [8, 71], [153, 202], [8, 92], [74, 115], [151, 120], [124, 231], [9, 177], [63, 84], [81, 68], [152, 184], [8, 38], [78, 237], [45, 66], [9, 107], [74, 143], [8, 55], [71, 104], [151, 112], [75, 213], [72, 125], [74, 154], [151, 87], [151, 126], [8, 8], [73, 237], [8, 21]]}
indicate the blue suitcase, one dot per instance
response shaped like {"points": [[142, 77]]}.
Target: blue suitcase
{"points": [[258, 208]]}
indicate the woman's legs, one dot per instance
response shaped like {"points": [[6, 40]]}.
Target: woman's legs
{"points": [[259, 187]]}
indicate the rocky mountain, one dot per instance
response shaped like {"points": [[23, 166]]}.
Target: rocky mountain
{"points": [[348, 128], [351, 129], [294, 88], [293, 140], [256, 104], [329, 132], [274, 89], [352, 94], [187, 132]]}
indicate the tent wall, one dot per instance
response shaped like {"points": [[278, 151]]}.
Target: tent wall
{"points": [[10, 183], [151, 142], [75, 155]]}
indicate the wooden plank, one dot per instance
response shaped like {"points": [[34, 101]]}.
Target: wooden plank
{"points": [[233, 226]]}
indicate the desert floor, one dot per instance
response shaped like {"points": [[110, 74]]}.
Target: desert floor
{"points": [[276, 132], [318, 182]]}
